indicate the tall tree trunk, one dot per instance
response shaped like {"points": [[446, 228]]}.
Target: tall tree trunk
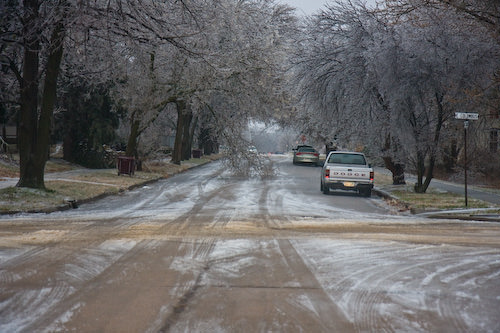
{"points": [[34, 134], [208, 137], [30, 176], [49, 96], [429, 174], [431, 152], [420, 172], [131, 150], [69, 144], [207, 142], [132, 139], [203, 140], [177, 152], [397, 170], [437, 133], [187, 139], [192, 129], [450, 156]]}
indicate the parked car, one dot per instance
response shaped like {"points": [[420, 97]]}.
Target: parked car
{"points": [[252, 149], [305, 154], [347, 171]]}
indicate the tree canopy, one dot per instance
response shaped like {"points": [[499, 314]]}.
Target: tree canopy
{"points": [[391, 78], [386, 79]]}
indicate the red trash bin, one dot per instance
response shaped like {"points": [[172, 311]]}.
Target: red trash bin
{"points": [[196, 153], [126, 165]]}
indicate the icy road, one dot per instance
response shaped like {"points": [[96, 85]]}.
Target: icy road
{"points": [[205, 251]]}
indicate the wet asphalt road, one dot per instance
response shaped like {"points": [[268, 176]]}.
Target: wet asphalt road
{"points": [[206, 251]]}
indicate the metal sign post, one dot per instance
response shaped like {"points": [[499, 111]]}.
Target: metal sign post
{"points": [[466, 116], [466, 125]]}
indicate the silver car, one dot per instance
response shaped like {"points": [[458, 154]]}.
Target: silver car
{"points": [[305, 154]]}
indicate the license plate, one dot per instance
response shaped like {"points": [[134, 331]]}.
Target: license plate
{"points": [[349, 184]]}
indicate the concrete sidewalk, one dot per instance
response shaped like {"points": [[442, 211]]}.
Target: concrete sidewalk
{"points": [[6, 182]]}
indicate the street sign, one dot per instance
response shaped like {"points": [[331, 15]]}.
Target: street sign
{"points": [[467, 115]]}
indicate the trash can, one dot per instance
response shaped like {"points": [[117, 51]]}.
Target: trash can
{"points": [[196, 153], [126, 165]]}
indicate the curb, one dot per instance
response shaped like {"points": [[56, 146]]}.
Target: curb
{"points": [[438, 214], [384, 194], [479, 218], [388, 196], [72, 204]]}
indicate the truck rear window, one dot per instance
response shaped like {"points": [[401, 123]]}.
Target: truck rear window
{"points": [[347, 159]]}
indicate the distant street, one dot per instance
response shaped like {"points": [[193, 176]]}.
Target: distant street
{"points": [[205, 251]]}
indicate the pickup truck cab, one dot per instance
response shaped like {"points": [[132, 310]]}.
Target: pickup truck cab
{"points": [[347, 171]]}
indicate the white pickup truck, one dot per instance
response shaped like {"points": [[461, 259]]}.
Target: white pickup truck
{"points": [[347, 171]]}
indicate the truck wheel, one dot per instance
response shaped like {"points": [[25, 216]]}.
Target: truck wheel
{"points": [[325, 190], [366, 192]]}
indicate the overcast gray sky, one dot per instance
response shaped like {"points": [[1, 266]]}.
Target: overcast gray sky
{"points": [[309, 7]]}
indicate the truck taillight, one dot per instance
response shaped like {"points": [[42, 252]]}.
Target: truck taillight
{"points": [[372, 175], [327, 173]]}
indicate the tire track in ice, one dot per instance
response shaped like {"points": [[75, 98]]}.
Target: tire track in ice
{"points": [[83, 273], [46, 278], [187, 290], [329, 314], [395, 287]]}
